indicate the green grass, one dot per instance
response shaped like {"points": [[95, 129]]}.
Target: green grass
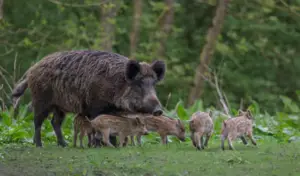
{"points": [[152, 159]]}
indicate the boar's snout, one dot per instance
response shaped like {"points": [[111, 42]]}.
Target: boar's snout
{"points": [[152, 105], [146, 133], [157, 111]]}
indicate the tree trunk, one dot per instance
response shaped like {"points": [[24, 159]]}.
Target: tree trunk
{"points": [[208, 51], [166, 26], [108, 14], [134, 35], [1, 9]]}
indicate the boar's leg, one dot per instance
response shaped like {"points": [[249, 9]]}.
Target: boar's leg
{"points": [[230, 144], [202, 142], [251, 138], [58, 118], [197, 137], [81, 138], [122, 139], [222, 142], [126, 141], [244, 140], [90, 139], [139, 139], [38, 121], [105, 137], [41, 112], [193, 139], [132, 140], [207, 139], [76, 131], [164, 139]]}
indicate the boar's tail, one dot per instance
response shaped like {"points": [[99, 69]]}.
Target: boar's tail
{"points": [[18, 91]]}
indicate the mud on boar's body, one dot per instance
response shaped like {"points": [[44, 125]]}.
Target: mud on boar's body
{"points": [[83, 126], [164, 126], [90, 83], [118, 126], [201, 125], [236, 128]]}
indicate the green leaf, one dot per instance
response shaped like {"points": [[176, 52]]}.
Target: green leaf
{"points": [[6, 119], [197, 106], [181, 112]]}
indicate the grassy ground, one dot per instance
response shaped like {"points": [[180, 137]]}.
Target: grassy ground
{"points": [[174, 159]]}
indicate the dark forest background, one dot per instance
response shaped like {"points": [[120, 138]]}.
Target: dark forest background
{"points": [[252, 47]]}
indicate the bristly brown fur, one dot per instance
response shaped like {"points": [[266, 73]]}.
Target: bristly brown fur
{"points": [[236, 128], [83, 126], [201, 124], [118, 126], [164, 126], [89, 83]]}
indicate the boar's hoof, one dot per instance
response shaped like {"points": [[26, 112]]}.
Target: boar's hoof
{"points": [[62, 143], [39, 145]]}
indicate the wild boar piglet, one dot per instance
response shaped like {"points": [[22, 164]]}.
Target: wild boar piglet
{"points": [[82, 125], [118, 126], [201, 124], [164, 126], [236, 128]]}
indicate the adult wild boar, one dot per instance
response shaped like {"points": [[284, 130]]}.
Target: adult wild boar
{"points": [[89, 83]]}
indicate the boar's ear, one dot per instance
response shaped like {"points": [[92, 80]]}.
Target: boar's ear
{"points": [[132, 69], [159, 67]]}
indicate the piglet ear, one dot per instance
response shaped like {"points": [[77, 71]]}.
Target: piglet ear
{"points": [[210, 113], [131, 70], [178, 121], [249, 114], [159, 67], [240, 112]]}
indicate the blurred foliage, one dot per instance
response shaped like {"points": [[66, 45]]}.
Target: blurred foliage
{"points": [[257, 55]]}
